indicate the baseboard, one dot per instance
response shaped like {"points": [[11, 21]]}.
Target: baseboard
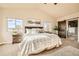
{"points": [[5, 43]]}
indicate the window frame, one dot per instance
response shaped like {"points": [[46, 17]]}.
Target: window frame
{"points": [[10, 29]]}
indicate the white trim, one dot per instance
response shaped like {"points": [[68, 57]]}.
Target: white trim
{"points": [[5, 43]]}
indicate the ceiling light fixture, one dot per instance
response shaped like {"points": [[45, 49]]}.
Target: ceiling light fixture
{"points": [[53, 3], [45, 3]]}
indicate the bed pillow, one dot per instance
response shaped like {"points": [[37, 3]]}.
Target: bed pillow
{"points": [[28, 31], [34, 31], [31, 31]]}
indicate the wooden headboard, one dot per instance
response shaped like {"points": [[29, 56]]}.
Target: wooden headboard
{"points": [[31, 27]]}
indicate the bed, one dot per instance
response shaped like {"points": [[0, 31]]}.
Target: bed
{"points": [[38, 42]]}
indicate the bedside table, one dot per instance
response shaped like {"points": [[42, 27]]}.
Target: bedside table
{"points": [[17, 38]]}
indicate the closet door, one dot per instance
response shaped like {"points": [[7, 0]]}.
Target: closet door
{"points": [[62, 29], [73, 29]]}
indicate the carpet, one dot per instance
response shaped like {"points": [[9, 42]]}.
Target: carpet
{"points": [[66, 51]]}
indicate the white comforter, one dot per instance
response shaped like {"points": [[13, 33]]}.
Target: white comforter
{"points": [[35, 43]]}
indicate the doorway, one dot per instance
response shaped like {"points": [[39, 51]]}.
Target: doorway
{"points": [[73, 29]]}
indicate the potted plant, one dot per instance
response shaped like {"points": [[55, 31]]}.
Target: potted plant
{"points": [[56, 29]]}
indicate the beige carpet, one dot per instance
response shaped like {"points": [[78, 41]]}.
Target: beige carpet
{"points": [[9, 50], [66, 42], [66, 51], [12, 49]]}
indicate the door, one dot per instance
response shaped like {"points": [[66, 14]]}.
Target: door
{"points": [[62, 29], [73, 29]]}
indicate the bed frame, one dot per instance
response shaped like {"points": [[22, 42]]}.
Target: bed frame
{"points": [[31, 27]]}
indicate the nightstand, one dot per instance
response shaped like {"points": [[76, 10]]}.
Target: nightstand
{"points": [[17, 38]]}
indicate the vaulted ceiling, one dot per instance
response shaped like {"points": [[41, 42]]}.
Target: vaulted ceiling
{"points": [[59, 10]]}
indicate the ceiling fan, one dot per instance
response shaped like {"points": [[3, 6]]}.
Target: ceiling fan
{"points": [[53, 3]]}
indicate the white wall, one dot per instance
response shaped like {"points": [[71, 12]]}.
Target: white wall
{"points": [[1, 17]]}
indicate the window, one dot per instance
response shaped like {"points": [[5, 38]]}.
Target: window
{"points": [[14, 23], [18, 22], [11, 23]]}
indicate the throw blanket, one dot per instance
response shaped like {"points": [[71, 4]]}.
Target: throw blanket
{"points": [[35, 43]]}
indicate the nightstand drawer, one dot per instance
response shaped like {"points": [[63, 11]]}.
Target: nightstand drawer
{"points": [[17, 38]]}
